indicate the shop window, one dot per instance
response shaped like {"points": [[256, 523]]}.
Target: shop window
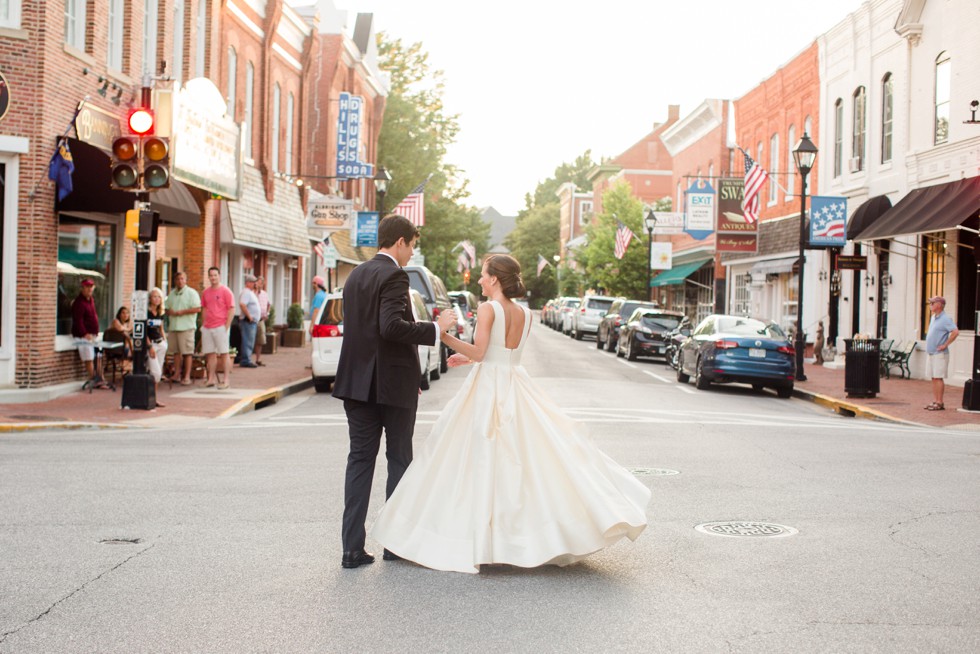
{"points": [[85, 250], [741, 305], [838, 137], [887, 117], [704, 293], [942, 97], [933, 274], [966, 286], [790, 293]]}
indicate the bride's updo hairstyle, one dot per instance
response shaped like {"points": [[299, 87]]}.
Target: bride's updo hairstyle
{"points": [[508, 272]]}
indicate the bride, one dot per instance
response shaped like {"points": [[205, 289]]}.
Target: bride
{"points": [[505, 476]]}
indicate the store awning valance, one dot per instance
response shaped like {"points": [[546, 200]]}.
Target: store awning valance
{"points": [[866, 215], [930, 209], [678, 274], [279, 226], [773, 267]]}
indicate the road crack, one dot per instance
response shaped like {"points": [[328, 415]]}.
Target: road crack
{"points": [[67, 597]]}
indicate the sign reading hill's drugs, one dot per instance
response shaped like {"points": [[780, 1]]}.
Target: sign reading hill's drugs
{"points": [[349, 165]]}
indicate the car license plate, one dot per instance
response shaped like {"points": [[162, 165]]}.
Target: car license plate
{"points": [[757, 352]]}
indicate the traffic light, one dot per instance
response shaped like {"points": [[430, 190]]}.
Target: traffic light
{"points": [[466, 276], [140, 122], [133, 224], [125, 163], [149, 225], [156, 163]]}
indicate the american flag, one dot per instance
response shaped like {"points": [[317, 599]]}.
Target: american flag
{"points": [[755, 178], [828, 218], [462, 263], [470, 251], [623, 236], [320, 248], [542, 262], [413, 206]]}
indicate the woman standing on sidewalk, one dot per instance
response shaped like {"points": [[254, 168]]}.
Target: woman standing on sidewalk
{"points": [[156, 336]]}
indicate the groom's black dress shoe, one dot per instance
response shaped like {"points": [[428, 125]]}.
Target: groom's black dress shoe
{"points": [[390, 556], [356, 558]]}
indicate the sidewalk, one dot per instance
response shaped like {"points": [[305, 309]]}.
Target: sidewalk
{"points": [[287, 371], [900, 400]]}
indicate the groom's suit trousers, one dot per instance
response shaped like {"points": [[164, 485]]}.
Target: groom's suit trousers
{"points": [[366, 420]]}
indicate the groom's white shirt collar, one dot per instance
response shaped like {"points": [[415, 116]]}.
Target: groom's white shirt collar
{"points": [[391, 257]]}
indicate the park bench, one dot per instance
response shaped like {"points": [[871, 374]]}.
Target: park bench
{"points": [[898, 357]]}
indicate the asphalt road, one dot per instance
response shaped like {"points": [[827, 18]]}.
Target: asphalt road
{"points": [[235, 534]]}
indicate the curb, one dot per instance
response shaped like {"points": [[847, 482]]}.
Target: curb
{"points": [[265, 398], [14, 427], [850, 409]]}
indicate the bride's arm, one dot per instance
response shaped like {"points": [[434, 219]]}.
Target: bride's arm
{"points": [[481, 340]]}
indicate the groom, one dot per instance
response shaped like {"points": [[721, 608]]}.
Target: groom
{"points": [[378, 374]]}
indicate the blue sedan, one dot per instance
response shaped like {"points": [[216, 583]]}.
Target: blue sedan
{"points": [[725, 349]]}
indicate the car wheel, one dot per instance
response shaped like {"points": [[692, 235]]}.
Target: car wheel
{"points": [[700, 381], [611, 344], [322, 384], [578, 335], [619, 347], [443, 359], [681, 376], [434, 373], [598, 342], [424, 381], [785, 392], [630, 350]]}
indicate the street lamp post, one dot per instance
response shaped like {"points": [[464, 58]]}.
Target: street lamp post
{"points": [[557, 259], [381, 179], [805, 153], [651, 223]]}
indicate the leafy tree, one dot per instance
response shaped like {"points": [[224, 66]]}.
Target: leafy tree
{"points": [[626, 276], [576, 172], [536, 234], [446, 224]]}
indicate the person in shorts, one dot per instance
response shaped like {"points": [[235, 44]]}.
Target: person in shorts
{"points": [[942, 332], [85, 325], [218, 304], [264, 305], [183, 304]]}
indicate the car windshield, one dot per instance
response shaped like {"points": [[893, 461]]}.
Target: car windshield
{"points": [[415, 281], [748, 327], [571, 304], [629, 307], [654, 321], [602, 305], [333, 312]]}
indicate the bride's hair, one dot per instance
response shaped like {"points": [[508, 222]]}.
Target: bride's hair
{"points": [[508, 272]]}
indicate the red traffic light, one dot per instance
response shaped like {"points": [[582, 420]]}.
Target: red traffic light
{"points": [[140, 121]]}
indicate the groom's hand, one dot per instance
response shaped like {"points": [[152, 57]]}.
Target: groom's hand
{"points": [[446, 320]]}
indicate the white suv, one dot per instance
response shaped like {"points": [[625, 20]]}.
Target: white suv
{"points": [[328, 337], [586, 319]]}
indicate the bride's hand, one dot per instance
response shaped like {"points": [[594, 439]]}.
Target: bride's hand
{"points": [[457, 360]]}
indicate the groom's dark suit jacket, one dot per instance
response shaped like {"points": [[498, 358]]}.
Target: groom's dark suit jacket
{"points": [[379, 359]]}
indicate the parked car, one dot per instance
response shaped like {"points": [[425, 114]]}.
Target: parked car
{"points": [[607, 335], [590, 312], [645, 333], [568, 306], [725, 349], [468, 303], [436, 298], [464, 328], [327, 338], [546, 310], [428, 354]]}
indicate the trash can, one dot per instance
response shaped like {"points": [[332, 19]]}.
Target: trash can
{"points": [[862, 360]]}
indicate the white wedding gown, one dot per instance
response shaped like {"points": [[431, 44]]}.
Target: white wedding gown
{"points": [[506, 477]]}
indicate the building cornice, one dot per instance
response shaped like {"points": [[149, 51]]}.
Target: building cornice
{"points": [[693, 127]]}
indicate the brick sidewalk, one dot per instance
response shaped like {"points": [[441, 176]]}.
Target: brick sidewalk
{"points": [[287, 366], [903, 399]]}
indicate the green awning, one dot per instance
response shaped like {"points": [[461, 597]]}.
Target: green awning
{"points": [[678, 274]]}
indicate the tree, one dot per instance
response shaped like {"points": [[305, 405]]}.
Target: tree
{"points": [[447, 223], [626, 276], [576, 172], [536, 234]]}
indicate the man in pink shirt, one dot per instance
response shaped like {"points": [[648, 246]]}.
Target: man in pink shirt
{"points": [[218, 304]]}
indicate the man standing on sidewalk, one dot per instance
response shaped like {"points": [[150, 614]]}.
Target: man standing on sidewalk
{"points": [[183, 304], [218, 304], [264, 305], [942, 332], [248, 320]]}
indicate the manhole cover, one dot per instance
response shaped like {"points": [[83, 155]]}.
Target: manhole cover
{"points": [[746, 529], [121, 541], [653, 472], [37, 418]]}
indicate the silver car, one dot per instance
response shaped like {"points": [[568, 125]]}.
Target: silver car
{"points": [[586, 319]]}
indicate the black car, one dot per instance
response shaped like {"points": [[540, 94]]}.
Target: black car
{"points": [[433, 291], [726, 349], [645, 333], [608, 335]]}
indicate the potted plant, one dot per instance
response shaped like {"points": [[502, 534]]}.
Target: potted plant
{"points": [[271, 336], [295, 335]]}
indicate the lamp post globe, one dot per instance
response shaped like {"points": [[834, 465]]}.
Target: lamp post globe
{"points": [[381, 180], [804, 154]]}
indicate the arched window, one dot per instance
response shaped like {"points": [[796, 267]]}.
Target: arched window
{"points": [[290, 109], [859, 133], [276, 101], [838, 137], [249, 98], [773, 167], [790, 161], [942, 97], [232, 80], [887, 116]]}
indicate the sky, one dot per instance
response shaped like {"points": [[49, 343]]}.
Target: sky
{"points": [[537, 83]]}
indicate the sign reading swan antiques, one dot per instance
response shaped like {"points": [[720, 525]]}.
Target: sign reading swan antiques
{"points": [[4, 96], [734, 232]]}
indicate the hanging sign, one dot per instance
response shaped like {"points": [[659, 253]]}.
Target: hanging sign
{"points": [[349, 165], [736, 242], [828, 222], [731, 190], [669, 222], [330, 213], [366, 229], [700, 210], [661, 256]]}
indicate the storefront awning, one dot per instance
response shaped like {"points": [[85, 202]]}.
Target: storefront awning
{"points": [[678, 274], [866, 215], [91, 191], [930, 209], [255, 223], [773, 267]]}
